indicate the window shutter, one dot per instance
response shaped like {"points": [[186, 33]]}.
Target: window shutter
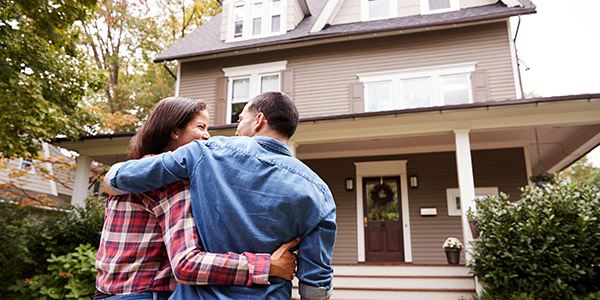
{"points": [[480, 86], [287, 82], [357, 101], [221, 101]]}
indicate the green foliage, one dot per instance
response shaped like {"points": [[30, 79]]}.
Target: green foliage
{"points": [[27, 245], [71, 276], [43, 78], [544, 246], [582, 171]]}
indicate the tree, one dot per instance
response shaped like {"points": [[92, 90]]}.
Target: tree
{"points": [[582, 171], [43, 77]]}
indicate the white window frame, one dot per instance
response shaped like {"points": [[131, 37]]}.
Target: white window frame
{"points": [[454, 5], [435, 73], [247, 28], [29, 162], [454, 193], [364, 11], [254, 72]]}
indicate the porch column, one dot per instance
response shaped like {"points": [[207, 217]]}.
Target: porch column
{"points": [[292, 145], [466, 183], [82, 176]]}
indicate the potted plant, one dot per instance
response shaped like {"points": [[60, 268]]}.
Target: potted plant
{"points": [[453, 246], [542, 178]]}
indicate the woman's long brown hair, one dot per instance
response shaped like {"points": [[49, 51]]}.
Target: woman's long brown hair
{"points": [[169, 114]]}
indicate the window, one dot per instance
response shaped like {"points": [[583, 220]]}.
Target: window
{"points": [[248, 81], [256, 18], [378, 9], [413, 88], [27, 164], [438, 6], [453, 198]]}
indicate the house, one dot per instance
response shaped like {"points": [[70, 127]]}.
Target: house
{"points": [[409, 110], [40, 179]]}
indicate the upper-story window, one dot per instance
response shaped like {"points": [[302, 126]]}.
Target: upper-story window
{"points": [[423, 87], [245, 82], [256, 18], [438, 6], [378, 9]]}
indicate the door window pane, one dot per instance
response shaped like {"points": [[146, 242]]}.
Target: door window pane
{"points": [[378, 96], [439, 4], [379, 9], [416, 92], [455, 89], [269, 83], [382, 199]]}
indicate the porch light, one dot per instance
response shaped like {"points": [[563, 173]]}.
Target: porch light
{"points": [[349, 184], [413, 181]]}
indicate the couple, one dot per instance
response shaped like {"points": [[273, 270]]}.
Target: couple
{"points": [[247, 194]]}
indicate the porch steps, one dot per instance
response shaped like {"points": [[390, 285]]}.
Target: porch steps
{"points": [[366, 282]]}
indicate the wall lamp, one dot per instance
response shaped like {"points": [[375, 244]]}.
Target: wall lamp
{"points": [[413, 181], [349, 184]]}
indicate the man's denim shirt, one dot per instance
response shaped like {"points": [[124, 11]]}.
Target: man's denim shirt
{"points": [[248, 194]]}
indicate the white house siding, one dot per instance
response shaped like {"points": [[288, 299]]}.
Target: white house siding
{"points": [[294, 14], [502, 168], [64, 174], [323, 73], [31, 182], [224, 19]]}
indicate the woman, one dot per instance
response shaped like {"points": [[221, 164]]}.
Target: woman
{"points": [[144, 236]]}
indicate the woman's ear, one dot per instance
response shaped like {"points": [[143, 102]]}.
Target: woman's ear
{"points": [[175, 135]]}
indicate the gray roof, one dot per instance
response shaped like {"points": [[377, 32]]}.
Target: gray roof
{"points": [[206, 39]]}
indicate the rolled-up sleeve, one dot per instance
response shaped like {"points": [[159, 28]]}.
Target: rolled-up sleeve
{"points": [[315, 273]]}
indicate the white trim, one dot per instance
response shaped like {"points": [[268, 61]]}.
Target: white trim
{"points": [[512, 3], [418, 72], [178, 79], [464, 167], [452, 193], [454, 5], [53, 188], [329, 11], [82, 175], [248, 20], [269, 67], [513, 59], [382, 168], [364, 11], [527, 164]]}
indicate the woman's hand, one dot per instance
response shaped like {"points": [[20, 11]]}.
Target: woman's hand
{"points": [[283, 262]]}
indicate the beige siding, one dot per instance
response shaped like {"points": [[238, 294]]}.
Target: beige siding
{"points": [[502, 168], [224, 18], [349, 12], [294, 14], [31, 182], [323, 73], [409, 8]]}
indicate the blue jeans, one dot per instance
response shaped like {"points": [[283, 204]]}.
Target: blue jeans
{"points": [[143, 296]]}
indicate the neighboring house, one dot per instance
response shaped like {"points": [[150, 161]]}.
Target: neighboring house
{"points": [[35, 182], [409, 110]]}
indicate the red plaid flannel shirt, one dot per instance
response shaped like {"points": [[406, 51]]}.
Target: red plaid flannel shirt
{"points": [[144, 232]]}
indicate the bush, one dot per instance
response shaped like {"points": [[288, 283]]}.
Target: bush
{"points": [[71, 276], [26, 244], [544, 246]]}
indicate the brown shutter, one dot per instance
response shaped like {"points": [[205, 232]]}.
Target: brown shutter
{"points": [[221, 101], [357, 101], [480, 86], [287, 82]]}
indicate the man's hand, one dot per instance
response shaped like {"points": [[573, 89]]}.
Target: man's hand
{"points": [[283, 262]]}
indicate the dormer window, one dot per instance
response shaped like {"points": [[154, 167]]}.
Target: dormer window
{"points": [[256, 18], [438, 6], [378, 9]]}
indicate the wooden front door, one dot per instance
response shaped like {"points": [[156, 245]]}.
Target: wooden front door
{"points": [[383, 219]]}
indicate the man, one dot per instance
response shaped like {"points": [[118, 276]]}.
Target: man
{"points": [[249, 194]]}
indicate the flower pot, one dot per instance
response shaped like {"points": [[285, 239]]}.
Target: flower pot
{"points": [[453, 256]]}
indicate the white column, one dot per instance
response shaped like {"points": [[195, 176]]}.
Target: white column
{"points": [[292, 145], [82, 176], [466, 184]]}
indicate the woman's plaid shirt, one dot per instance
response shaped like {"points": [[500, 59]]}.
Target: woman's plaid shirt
{"points": [[144, 232]]}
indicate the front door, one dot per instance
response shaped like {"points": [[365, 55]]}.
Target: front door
{"points": [[383, 221]]}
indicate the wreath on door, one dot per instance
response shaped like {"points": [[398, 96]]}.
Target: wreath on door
{"points": [[382, 194]]}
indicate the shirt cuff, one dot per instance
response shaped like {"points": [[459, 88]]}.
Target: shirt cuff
{"points": [[259, 268], [314, 292], [111, 180]]}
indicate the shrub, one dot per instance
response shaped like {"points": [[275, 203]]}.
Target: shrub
{"points": [[72, 276], [544, 246]]}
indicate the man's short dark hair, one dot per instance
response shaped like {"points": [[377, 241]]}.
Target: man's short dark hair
{"points": [[279, 110]]}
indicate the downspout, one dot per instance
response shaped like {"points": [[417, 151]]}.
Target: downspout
{"points": [[175, 76], [517, 58]]}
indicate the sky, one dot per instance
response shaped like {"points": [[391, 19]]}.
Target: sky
{"points": [[560, 45]]}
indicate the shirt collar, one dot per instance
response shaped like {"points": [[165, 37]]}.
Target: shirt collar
{"points": [[273, 145]]}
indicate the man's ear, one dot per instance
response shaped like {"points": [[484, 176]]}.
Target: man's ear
{"points": [[260, 122]]}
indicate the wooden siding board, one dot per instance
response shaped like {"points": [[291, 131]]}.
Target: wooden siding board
{"points": [[323, 73], [504, 168]]}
